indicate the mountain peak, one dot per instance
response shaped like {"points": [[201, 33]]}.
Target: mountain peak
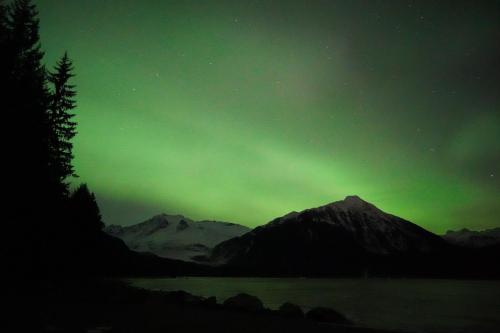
{"points": [[353, 198], [353, 202]]}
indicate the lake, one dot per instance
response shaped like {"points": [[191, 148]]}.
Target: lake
{"points": [[415, 305]]}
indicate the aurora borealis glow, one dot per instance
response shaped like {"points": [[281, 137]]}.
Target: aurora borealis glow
{"points": [[246, 110]]}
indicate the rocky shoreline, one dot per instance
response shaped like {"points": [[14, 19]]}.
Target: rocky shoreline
{"points": [[110, 306]]}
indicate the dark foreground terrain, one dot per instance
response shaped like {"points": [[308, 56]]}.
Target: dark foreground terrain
{"points": [[97, 306]]}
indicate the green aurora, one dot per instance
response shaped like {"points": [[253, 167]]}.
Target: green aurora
{"points": [[246, 110]]}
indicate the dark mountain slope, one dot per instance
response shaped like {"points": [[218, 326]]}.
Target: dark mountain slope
{"points": [[348, 237]]}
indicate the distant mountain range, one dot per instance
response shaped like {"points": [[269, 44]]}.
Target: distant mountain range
{"points": [[348, 237], [176, 236], [473, 239]]}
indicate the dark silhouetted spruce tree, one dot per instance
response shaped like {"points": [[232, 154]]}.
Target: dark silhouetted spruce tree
{"points": [[86, 216], [5, 57], [63, 128], [24, 105], [27, 96], [3, 24]]}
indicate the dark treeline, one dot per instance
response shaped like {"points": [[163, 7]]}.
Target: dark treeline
{"points": [[52, 232], [49, 231], [47, 223], [56, 252]]}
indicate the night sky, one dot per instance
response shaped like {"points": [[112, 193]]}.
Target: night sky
{"points": [[246, 110]]}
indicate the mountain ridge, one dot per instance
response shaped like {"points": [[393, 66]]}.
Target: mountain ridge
{"points": [[349, 237], [473, 238]]}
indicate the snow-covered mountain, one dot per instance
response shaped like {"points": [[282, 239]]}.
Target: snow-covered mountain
{"points": [[471, 238], [176, 236], [347, 235]]}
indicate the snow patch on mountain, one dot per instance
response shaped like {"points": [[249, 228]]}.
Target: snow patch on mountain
{"points": [[176, 236]]}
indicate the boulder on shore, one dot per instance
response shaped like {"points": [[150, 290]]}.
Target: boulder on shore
{"points": [[182, 297], [244, 302], [210, 301], [327, 315], [291, 310]]}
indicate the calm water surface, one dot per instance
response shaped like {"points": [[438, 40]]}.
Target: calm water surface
{"points": [[415, 305]]}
